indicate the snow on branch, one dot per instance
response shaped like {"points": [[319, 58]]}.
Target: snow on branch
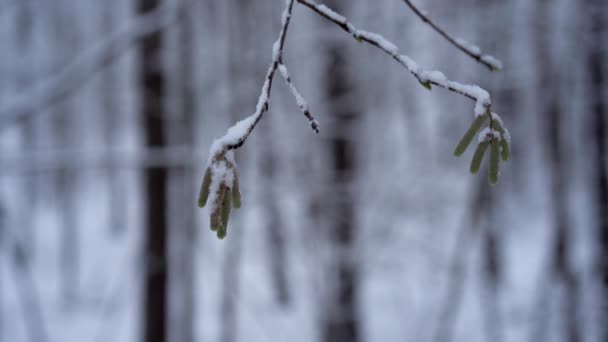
{"points": [[472, 50], [495, 135], [236, 135], [299, 99], [425, 77]]}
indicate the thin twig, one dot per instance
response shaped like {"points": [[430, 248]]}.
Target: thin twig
{"points": [[299, 99], [489, 61]]}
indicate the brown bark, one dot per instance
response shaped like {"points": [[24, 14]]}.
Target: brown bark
{"points": [[152, 86], [342, 320], [598, 26]]}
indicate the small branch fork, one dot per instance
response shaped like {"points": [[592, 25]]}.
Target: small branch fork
{"points": [[238, 134], [489, 61]]}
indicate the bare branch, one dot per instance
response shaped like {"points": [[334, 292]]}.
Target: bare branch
{"points": [[473, 51]]}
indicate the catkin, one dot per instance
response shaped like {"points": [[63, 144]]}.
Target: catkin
{"points": [[226, 208], [216, 215], [478, 157], [204, 192], [493, 169], [236, 193], [505, 152], [469, 135]]}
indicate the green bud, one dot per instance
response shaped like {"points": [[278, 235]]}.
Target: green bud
{"points": [[236, 193], [469, 135], [505, 152], [427, 85], [359, 39], [204, 192], [478, 157], [493, 169]]}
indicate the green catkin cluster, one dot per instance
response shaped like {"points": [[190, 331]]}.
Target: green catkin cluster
{"points": [[227, 196], [469, 135], [498, 143]]}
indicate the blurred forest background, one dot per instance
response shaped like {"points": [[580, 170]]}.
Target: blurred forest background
{"points": [[369, 231]]}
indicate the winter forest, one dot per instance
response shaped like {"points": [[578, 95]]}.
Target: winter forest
{"points": [[160, 180]]}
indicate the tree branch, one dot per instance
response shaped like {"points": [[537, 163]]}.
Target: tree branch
{"points": [[425, 77], [473, 51], [236, 135]]}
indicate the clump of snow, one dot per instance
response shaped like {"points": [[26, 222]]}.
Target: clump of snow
{"points": [[299, 99], [379, 39], [331, 14], [493, 61], [409, 64], [276, 50], [487, 135], [433, 76]]}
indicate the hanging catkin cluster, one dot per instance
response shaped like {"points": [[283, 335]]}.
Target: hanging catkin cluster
{"points": [[495, 136], [220, 188]]}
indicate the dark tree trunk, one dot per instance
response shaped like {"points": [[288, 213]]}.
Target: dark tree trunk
{"points": [[596, 61], [342, 317], [152, 86], [65, 127], [494, 35], [560, 270]]}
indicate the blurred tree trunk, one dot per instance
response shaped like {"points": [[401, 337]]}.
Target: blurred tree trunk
{"points": [[240, 70], [65, 37], [596, 61], [494, 35], [276, 230], [561, 271], [342, 317], [111, 115], [151, 82], [270, 162], [183, 236], [25, 18]]}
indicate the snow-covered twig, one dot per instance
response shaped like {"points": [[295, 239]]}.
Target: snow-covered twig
{"points": [[425, 77], [500, 139], [299, 99], [489, 61]]}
